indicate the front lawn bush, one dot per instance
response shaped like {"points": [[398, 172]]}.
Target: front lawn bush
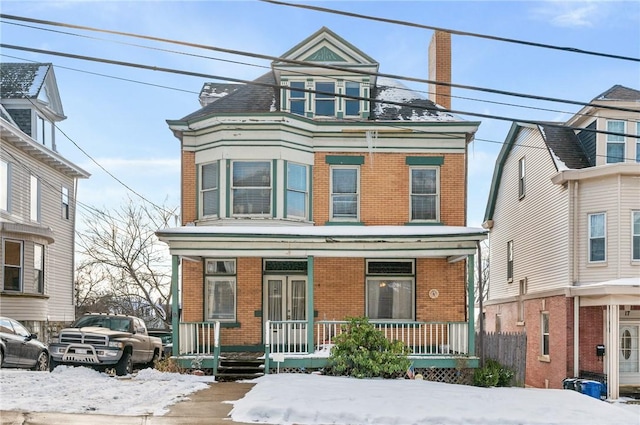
{"points": [[361, 351], [493, 374]]}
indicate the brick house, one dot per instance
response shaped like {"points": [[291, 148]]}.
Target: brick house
{"points": [[322, 191], [564, 220], [37, 201]]}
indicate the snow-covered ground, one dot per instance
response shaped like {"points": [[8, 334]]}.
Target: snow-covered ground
{"points": [[310, 399]]}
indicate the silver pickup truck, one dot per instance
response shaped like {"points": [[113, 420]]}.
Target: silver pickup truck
{"points": [[105, 342]]}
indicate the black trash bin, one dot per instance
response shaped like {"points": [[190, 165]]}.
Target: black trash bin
{"points": [[569, 384]]}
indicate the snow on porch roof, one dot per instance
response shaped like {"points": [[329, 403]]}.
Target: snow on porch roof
{"points": [[329, 231]]}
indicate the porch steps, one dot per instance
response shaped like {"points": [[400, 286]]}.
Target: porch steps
{"points": [[239, 366]]}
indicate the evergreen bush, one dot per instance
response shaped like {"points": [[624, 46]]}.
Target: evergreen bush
{"points": [[493, 374]]}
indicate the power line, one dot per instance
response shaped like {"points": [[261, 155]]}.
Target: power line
{"points": [[276, 86], [307, 63], [450, 31]]}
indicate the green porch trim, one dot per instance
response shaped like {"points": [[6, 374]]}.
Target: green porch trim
{"points": [[452, 362], [175, 303], [310, 311], [424, 160], [344, 159], [471, 330], [310, 201]]}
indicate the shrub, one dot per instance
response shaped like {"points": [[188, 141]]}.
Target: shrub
{"points": [[493, 374], [361, 351], [168, 365]]}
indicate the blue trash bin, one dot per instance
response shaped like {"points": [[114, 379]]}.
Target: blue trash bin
{"points": [[591, 388]]}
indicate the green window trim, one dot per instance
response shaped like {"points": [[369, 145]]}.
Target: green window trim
{"points": [[344, 160], [425, 160]]}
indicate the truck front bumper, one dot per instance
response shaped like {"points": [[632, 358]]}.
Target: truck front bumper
{"points": [[84, 354]]}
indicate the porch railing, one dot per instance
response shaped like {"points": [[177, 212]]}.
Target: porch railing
{"points": [[422, 338], [199, 338]]}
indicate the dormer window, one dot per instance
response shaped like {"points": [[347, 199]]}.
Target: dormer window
{"points": [[325, 99], [352, 106]]}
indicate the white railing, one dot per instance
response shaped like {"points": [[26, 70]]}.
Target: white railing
{"points": [[288, 337], [422, 338], [199, 338]]}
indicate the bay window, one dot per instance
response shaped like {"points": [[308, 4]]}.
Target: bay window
{"points": [[38, 268], [209, 191], [12, 265], [251, 187], [297, 190]]}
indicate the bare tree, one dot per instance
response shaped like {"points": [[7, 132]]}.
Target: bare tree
{"points": [[123, 268]]}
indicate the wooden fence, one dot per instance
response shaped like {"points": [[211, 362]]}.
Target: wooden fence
{"points": [[509, 349]]}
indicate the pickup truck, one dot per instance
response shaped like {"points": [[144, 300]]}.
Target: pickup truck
{"points": [[105, 342]]}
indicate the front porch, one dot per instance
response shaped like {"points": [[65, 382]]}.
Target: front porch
{"points": [[435, 346]]}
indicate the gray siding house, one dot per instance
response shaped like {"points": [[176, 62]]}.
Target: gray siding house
{"points": [[37, 201]]}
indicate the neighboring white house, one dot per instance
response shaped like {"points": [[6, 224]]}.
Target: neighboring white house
{"points": [[564, 220], [37, 201]]}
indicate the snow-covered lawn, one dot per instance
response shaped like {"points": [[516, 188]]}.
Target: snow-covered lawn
{"points": [[310, 399]]}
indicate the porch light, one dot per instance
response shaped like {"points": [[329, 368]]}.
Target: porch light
{"points": [[383, 284]]}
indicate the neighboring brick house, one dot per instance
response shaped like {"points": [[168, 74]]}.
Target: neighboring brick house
{"points": [[564, 220], [321, 191], [37, 201]]}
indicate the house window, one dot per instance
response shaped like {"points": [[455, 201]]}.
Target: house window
{"points": [[510, 261], [65, 203], [638, 142], [325, 99], [297, 97], [209, 194], [251, 187], [5, 187], [352, 106], [544, 333], [38, 268], [34, 203], [12, 265], [390, 290], [521, 178], [635, 235], [220, 289], [424, 193], [615, 144], [297, 190], [344, 192], [597, 237]]}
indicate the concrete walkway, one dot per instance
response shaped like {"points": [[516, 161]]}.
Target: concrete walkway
{"points": [[204, 407]]}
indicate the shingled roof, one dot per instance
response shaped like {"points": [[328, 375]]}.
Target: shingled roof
{"points": [[619, 92], [564, 144], [407, 105], [22, 80]]}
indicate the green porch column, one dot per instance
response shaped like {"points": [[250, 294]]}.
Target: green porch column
{"points": [[471, 329], [175, 305], [310, 344]]}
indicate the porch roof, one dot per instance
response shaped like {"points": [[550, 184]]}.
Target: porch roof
{"points": [[452, 242], [610, 292]]}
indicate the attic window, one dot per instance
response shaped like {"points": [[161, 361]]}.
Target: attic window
{"points": [[325, 99]]}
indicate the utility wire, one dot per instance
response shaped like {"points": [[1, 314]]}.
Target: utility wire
{"points": [[276, 59], [450, 31], [276, 86]]}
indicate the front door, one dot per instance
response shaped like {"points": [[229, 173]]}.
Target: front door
{"points": [[286, 306], [629, 353]]}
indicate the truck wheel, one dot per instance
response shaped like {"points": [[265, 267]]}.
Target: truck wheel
{"points": [[52, 364], [152, 363], [125, 365]]}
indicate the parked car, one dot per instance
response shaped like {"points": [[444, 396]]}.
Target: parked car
{"points": [[167, 340], [21, 348]]}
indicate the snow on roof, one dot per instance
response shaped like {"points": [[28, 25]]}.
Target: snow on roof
{"points": [[327, 231]]}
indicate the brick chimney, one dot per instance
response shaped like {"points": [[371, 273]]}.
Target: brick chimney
{"points": [[440, 68]]}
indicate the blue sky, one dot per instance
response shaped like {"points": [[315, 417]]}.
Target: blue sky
{"points": [[120, 122]]}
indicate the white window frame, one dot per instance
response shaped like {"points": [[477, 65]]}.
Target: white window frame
{"points": [[435, 195], [318, 97], [615, 140], [348, 101], [5, 182], [38, 268], [510, 261], [291, 191], [66, 207], [545, 336], [34, 198], [301, 96], [385, 279], [241, 212], [19, 266], [332, 214], [522, 178], [204, 191], [592, 237], [638, 142], [635, 236], [214, 276]]}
